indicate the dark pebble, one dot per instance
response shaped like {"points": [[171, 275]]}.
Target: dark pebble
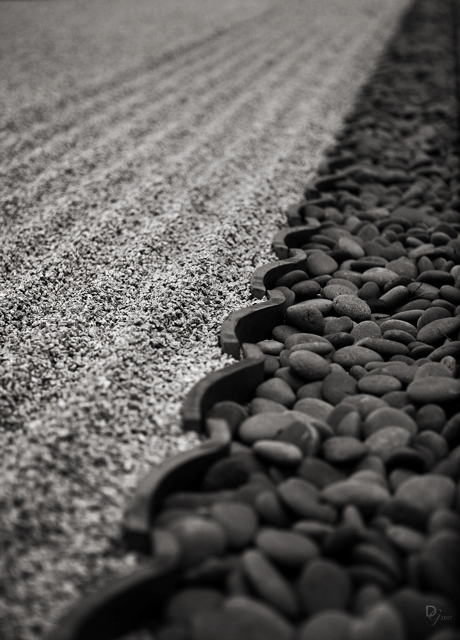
{"points": [[291, 278], [282, 331], [269, 583], [308, 365], [199, 538], [343, 449], [337, 386], [231, 472], [305, 318], [302, 498], [306, 290], [433, 390], [184, 604], [319, 473], [327, 625], [277, 390], [347, 357], [431, 417], [286, 548]]}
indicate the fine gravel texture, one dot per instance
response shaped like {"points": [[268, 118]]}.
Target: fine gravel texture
{"points": [[149, 153]]}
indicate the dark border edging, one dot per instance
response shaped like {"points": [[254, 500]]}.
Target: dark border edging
{"points": [[252, 324], [289, 238], [264, 278], [110, 612]]}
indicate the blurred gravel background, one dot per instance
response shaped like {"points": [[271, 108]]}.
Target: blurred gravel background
{"points": [[149, 151]]}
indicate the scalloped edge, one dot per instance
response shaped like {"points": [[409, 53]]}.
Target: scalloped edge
{"points": [[234, 382], [289, 238], [122, 606], [264, 278], [178, 472], [252, 324]]}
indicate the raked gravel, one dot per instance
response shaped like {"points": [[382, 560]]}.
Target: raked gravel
{"points": [[150, 151]]}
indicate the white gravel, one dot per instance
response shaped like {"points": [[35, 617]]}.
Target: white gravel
{"points": [[150, 150]]}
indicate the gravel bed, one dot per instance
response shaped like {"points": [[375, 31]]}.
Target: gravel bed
{"points": [[337, 513], [150, 150]]}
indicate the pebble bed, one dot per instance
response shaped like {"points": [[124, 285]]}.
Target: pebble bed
{"points": [[337, 512]]}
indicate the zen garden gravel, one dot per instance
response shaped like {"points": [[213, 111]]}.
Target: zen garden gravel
{"points": [[336, 513]]}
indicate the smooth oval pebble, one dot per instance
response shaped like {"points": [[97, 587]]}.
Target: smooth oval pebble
{"points": [[397, 335], [341, 449], [403, 267], [284, 454], [435, 277], [450, 293], [352, 307], [432, 369], [395, 297], [440, 564], [303, 338], [381, 622], [261, 405], [305, 318], [308, 365], [230, 472], [427, 492], [401, 325], [435, 332], [319, 472], [405, 539], [432, 314], [337, 386], [310, 390], [186, 603], [306, 290], [239, 521], [314, 407], [286, 548], [241, 617], [378, 385], [270, 509], [264, 426], [302, 498], [324, 584], [271, 347], [199, 538], [326, 625], [277, 390], [320, 304], [348, 357], [291, 278], [363, 495], [431, 417], [433, 390], [388, 417], [337, 325], [380, 275], [321, 348], [344, 283], [366, 329], [319, 263], [384, 347], [332, 291], [283, 331], [386, 441], [351, 246], [268, 582]]}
